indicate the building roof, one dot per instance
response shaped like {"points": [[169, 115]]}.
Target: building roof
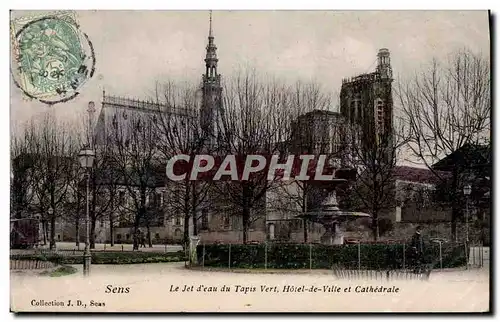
{"points": [[361, 78], [419, 175], [156, 177], [145, 105], [469, 156], [320, 112]]}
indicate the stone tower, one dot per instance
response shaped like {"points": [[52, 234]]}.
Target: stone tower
{"points": [[366, 102], [384, 64], [211, 91]]}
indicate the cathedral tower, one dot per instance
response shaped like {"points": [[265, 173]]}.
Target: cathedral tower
{"points": [[366, 102], [212, 90]]}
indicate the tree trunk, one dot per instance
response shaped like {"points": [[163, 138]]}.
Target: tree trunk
{"points": [[305, 230], [187, 213], [44, 232], [455, 212], [377, 192], [52, 233], [304, 210], [47, 238], [375, 226], [111, 221], [195, 225], [193, 205], [139, 215], [150, 242], [77, 230], [92, 232], [135, 233], [185, 239], [111, 230], [246, 221]]}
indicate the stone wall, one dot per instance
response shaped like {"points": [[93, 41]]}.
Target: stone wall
{"points": [[428, 214]]}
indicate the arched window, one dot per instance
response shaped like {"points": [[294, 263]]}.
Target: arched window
{"points": [[379, 114]]}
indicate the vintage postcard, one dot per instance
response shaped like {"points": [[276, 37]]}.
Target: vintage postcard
{"points": [[250, 161]]}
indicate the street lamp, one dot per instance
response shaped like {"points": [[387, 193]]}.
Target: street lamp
{"points": [[467, 192], [86, 158]]}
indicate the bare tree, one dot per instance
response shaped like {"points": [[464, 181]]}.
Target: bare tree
{"points": [[113, 179], [22, 166], [255, 120], [446, 107], [375, 160], [104, 181], [74, 207], [136, 157], [55, 149], [318, 133], [179, 132]]}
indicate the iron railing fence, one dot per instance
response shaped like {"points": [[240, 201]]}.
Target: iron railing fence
{"points": [[381, 257]]}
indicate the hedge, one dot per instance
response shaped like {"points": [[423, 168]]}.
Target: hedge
{"points": [[106, 257], [300, 256]]}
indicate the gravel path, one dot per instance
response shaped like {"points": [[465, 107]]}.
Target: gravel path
{"points": [[152, 288]]}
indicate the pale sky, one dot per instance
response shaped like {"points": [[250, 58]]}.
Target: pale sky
{"points": [[136, 48]]}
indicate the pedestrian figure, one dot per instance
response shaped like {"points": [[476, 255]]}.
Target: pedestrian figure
{"points": [[417, 250], [137, 238]]}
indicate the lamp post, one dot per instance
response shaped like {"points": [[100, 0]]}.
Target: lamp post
{"points": [[467, 191], [86, 158]]}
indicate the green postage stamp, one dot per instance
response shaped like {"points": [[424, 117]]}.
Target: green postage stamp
{"points": [[52, 57]]}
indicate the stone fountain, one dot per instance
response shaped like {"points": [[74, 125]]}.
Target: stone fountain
{"points": [[329, 214]]}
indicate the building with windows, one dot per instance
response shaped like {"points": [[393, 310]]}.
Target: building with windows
{"points": [[366, 103], [211, 105], [365, 117], [117, 125], [319, 132]]}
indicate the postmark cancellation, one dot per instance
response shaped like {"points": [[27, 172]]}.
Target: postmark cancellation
{"points": [[52, 57]]}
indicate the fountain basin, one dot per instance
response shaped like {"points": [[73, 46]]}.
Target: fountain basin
{"points": [[330, 216]]}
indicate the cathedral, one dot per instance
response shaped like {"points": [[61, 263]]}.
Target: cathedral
{"points": [[117, 110], [123, 115], [366, 100]]}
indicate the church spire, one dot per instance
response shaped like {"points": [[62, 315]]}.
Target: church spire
{"points": [[211, 104], [211, 56], [210, 33]]}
